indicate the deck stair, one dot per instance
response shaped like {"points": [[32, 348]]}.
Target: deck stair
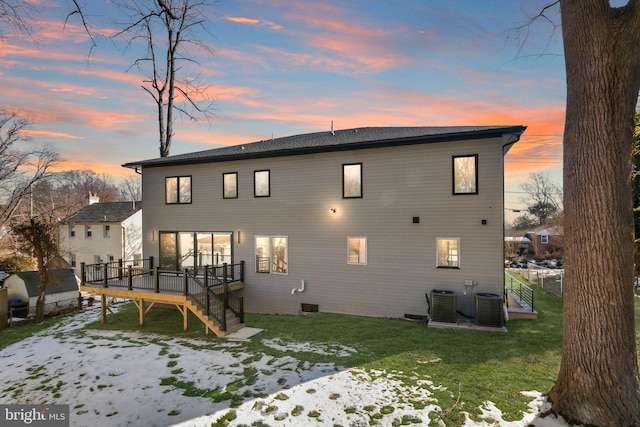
{"points": [[211, 324]]}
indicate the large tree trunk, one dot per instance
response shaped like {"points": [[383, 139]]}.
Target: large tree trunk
{"points": [[598, 380]]}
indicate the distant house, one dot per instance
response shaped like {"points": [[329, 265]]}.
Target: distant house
{"points": [[546, 240], [364, 221], [62, 291], [516, 246], [101, 232]]}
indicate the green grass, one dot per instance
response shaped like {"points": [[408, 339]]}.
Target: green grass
{"points": [[470, 367], [12, 335]]}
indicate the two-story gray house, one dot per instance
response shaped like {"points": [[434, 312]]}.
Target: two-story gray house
{"points": [[364, 221]]}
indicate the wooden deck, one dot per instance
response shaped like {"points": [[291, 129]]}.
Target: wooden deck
{"points": [[145, 299]]}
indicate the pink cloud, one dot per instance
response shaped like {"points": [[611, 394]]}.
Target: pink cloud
{"points": [[252, 21], [51, 134]]}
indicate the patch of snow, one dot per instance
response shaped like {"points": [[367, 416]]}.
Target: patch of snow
{"points": [[113, 378], [306, 347]]}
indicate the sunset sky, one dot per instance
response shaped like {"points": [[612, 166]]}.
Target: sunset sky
{"points": [[283, 67]]}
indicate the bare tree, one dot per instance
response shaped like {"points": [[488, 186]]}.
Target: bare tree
{"points": [[598, 381], [39, 236], [20, 168], [544, 197], [14, 13], [70, 190], [130, 189], [170, 29]]}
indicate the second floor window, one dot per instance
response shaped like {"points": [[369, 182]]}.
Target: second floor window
{"points": [[177, 190], [107, 231], [230, 185], [262, 183], [465, 174], [87, 231], [352, 180]]}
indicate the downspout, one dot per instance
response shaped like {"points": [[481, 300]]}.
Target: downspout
{"points": [[124, 242], [511, 140]]}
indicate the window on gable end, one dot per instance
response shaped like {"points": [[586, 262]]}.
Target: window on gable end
{"points": [[352, 180], [357, 250], [465, 174], [448, 252]]}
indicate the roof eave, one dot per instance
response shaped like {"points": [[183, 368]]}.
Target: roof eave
{"points": [[422, 139]]}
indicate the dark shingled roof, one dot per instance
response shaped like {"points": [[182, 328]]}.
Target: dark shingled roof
{"points": [[59, 281], [340, 140], [104, 212]]}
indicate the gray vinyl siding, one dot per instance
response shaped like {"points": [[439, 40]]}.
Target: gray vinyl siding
{"points": [[399, 183]]}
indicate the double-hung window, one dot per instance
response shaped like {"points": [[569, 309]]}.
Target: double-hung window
{"points": [[357, 250], [465, 174], [177, 190], [448, 250], [272, 254], [106, 231]]}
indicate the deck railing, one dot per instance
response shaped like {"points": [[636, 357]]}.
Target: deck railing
{"points": [[208, 287], [516, 287]]}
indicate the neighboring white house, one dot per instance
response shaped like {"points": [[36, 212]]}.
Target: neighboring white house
{"points": [[61, 293], [101, 232], [364, 221]]}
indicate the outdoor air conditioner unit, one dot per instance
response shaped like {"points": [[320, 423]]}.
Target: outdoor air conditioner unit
{"points": [[489, 310], [444, 306]]}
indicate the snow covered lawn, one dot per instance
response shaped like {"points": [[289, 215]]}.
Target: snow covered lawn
{"points": [[117, 379]]}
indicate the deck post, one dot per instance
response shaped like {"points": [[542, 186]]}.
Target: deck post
{"points": [[157, 280], [185, 282], [206, 301], [103, 309], [130, 278], [142, 320], [83, 274], [185, 310], [120, 264], [151, 262], [105, 280], [225, 283], [242, 271]]}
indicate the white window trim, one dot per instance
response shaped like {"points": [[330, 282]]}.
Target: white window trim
{"points": [[366, 250], [271, 250], [438, 239]]}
